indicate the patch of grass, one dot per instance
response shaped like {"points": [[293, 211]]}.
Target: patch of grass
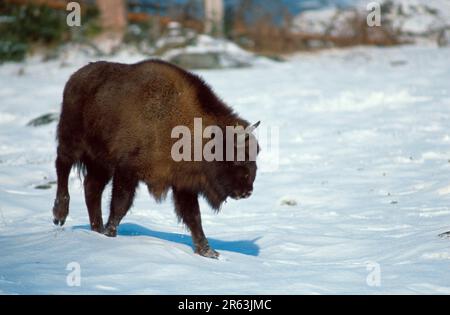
{"points": [[43, 120], [27, 25]]}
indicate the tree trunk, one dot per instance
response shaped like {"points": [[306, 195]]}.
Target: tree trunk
{"points": [[113, 19], [214, 15]]}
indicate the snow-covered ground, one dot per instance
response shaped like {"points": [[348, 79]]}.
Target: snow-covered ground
{"points": [[361, 193], [416, 20]]}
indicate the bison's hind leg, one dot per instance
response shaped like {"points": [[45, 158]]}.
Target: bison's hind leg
{"points": [[124, 187], [97, 176], [61, 206]]}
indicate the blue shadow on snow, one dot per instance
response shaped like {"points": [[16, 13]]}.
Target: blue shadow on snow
{"points": [[246, 247]]}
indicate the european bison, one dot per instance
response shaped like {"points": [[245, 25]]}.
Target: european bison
{"points": [[117, 121]]}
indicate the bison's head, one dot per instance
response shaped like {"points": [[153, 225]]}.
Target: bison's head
{"points": [[240, 174], [241, 178], [233, 177]]}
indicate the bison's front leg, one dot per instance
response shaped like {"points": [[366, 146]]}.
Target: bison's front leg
{"points": [[188, 210]]}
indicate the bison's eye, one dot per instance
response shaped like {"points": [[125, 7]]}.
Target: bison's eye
{"points": [[246, 176]]}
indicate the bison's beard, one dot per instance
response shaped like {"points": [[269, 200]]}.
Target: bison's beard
{"points": [[215, 194], [217, 189]]}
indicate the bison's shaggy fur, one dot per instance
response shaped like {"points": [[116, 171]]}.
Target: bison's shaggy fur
{"points": [[116, 123]]}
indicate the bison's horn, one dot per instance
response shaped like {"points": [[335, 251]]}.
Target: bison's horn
{"points": [[243, 136], [253, 128]]}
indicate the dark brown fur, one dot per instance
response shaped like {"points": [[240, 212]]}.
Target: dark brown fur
{"points": [[116, 122]]}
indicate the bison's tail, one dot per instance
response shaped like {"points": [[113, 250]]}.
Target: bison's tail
{"points": [[81, 169]]}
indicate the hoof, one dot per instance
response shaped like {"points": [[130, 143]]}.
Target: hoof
{"points": [[110, 231], [445, 235], [208, 252], [98, 228], [60, 211], [59, 222]]}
